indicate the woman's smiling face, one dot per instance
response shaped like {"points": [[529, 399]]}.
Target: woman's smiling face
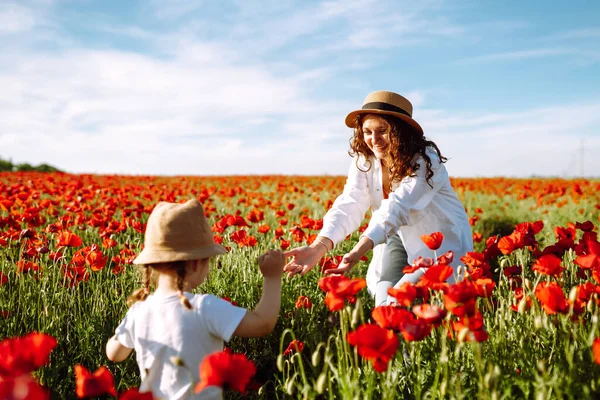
{"points": [[376, 135]]}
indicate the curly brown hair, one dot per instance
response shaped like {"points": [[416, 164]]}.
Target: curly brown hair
{"points": [[404, 139]]}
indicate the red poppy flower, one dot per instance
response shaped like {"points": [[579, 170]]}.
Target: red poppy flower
{"points": [[473, 259], [513, 270], [586, 226], [484, 287], [99, 383], [446, 258], [433, 240], [435, 277], [405, 294], [429, 313], [596, 350], [3, 279], [225, 370], [27, 266], [96, 260], [22, 387], [303, 302], [414, 330], [510, 243], [552, 298], [108, 243], [375, 344], [264, 228], [22, 355], [67, 238], [409, 269], [295, 346], [297, 234], [390, 317], [339, 288], [421, 262], [548, 265], [477, 335], [591, 260], [459, 298]]}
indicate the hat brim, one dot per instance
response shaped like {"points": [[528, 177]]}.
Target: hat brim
{"points": [[154, 256], [351, 118]]}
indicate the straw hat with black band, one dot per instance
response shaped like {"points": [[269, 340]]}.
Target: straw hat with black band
{"points": [[178, 232], [387, 103]]}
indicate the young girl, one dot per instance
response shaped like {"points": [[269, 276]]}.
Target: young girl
{"points": [[400, 175], [171, 329]]}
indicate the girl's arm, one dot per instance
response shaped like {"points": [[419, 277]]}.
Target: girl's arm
{"points": [[115, 351], [262, 320]]}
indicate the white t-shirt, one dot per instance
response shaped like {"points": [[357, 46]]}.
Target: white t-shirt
{"points": [[161, 329]]}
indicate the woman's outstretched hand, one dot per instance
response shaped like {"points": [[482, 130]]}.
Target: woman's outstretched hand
{"points": [[304, 259], [348, 261]]}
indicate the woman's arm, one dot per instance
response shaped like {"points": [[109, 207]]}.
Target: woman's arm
{"points": [[349, 208], [344, 217]]}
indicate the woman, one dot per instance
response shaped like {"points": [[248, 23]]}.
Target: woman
{"points": [[400, 174]]}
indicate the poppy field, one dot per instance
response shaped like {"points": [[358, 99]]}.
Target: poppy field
{"points": [[522, 324]]}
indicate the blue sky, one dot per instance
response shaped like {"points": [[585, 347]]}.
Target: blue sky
{"points": [[186, 87]]}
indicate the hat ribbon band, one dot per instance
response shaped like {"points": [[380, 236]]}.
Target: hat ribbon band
{"points": [[377, 105]]}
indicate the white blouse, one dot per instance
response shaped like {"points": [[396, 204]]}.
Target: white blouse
{"points": [[413, 208]]}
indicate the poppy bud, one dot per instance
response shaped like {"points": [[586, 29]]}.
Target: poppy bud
{"points": [[280, 363], [26, 234], [290, 387], [315, 359], [462, 335], [43, 249], [541, 365], [522, 306], [590, 306], [443, 387], [356, 314], [538, 323], [321, 381], [573, 295]]}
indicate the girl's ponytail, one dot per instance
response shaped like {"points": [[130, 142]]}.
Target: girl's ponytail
{"points": [[181, 269], [142, 293]]}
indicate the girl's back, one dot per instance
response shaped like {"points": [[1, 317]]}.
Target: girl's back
{"points": [[171, 341]]}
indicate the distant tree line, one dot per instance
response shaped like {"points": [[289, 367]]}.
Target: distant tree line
{"points": [[7, 165]]}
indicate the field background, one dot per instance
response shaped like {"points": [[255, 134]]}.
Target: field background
{"points": [[529, 354]]}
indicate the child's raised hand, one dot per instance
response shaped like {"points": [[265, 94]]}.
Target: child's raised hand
{"points": [[271, 263]]}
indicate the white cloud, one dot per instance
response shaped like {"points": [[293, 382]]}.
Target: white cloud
{"points": [[539, 141], [15, 18]]}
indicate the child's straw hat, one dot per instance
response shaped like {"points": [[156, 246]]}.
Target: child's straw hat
{"points": [[388, 103], [178, 232]]}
